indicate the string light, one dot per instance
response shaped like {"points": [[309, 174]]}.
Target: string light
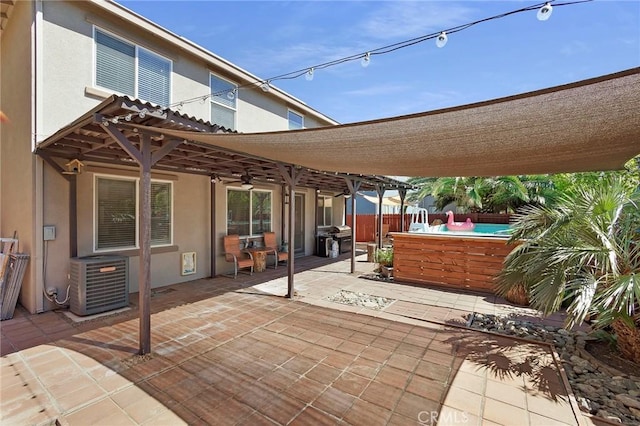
{"points": [[442, 39], [309, 75], [544, 11], [366, 60]]}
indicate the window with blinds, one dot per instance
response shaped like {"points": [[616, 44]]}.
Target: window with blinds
{"points": [[248, 212], [296, 121], [116, 221], [224, 95], [131, 70]]}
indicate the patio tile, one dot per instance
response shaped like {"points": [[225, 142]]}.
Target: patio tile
{"points": [[411, 405], [471, 382], [427, 388], [313, 416], [306, 389], [382, 395], [351, 384], [364, 413], [334, 402], [463, 400], [224, 355], [504, 414], [283, 409], [299, 365], [403, 362], [323, 373], [505, 393], [393, 377]]}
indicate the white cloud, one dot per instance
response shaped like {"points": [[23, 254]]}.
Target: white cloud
{"points": [[379, 90], [403, 19], [574, 48]]}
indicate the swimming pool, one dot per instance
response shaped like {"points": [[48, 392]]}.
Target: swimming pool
{"points": [[480, 230]]}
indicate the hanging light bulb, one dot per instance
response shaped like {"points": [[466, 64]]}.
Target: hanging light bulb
{"points": [[545, 12], [265, 86], [442, 39], [366, 60], [231, 95], [309, 75]]}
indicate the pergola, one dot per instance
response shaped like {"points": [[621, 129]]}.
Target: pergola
{"points": [[584, 126], [127, 132]]}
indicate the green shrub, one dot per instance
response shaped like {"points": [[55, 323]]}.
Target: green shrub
{"points": [[384, 256]]}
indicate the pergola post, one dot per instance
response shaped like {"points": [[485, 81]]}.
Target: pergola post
{"points": [[354, 187], [214, 229], [380, 190], [144, 273], [291, 177], [145, 158], [403, 194]]}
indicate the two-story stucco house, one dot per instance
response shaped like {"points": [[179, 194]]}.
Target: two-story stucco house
{"points": [[70, 69]]}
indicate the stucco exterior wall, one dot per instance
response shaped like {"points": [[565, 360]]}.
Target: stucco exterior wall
{"points": [[17, 164], [63, 72]]}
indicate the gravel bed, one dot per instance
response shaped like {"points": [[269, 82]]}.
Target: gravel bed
{"points": [[360, 299], [598, 392]]}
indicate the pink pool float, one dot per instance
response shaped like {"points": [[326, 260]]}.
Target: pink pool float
{"points": [[459, 226]]}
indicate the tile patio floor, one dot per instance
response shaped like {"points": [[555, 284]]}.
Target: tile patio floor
{"points": [[230, 352]]}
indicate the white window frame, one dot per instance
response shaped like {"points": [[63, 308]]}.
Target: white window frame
{"points": [[289, 112], [136, 182], [137, 48], [323, 224], [251, 191], [212, 100]]}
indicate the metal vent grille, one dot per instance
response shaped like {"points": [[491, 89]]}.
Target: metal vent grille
{"points": [[98, 284]]}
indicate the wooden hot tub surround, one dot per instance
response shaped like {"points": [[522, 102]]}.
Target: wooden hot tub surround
{"points": [[453, 261]]}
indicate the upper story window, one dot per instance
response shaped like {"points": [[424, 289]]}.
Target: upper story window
{"points": [[296, 121], [325, 211], [223, 102], [116, 213], [131, 70]]}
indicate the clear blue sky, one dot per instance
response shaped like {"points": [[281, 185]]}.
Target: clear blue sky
{"points": [[498, 58]]}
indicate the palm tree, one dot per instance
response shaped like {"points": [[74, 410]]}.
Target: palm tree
{"points": [[473, 194], [584, 252]]}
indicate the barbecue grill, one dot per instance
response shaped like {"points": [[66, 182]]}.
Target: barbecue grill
{"points": [[341, 234]]}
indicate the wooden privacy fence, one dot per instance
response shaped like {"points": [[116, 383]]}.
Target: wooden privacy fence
{"points": [[467, 263], [366, 224]]}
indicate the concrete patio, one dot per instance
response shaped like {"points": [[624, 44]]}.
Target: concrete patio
{"points": [[236, 352]]}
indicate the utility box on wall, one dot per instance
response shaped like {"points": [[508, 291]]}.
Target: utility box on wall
{"points": [[98, 284]]}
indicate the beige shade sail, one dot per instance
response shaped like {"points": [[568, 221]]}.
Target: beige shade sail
{"points": [[386, 201], [584, 126]]}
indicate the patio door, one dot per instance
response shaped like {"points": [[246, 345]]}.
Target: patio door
{"points": [[298, 235]]}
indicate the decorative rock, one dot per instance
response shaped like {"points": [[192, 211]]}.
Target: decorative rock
{"points": [[629, 401], [596, 391]]}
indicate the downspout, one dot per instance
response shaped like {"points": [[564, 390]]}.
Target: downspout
{"points": [[214, 230], [37, 267]]}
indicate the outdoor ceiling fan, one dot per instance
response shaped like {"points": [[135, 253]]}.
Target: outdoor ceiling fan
{"points": [[246, 180], [345, 194]]}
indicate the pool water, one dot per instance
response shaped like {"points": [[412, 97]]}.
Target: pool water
{"points": [[481, 230]]}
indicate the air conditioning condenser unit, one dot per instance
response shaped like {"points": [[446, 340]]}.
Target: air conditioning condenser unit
{"points": [[98, 284]]}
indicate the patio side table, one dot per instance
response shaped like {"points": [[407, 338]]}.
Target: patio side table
{"points": [[259, 258]]}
